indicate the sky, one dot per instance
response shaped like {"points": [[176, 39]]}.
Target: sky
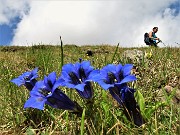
{"points": [[88, 22]]}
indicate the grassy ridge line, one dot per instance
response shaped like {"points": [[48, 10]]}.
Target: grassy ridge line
{"points": [[162, 69]]}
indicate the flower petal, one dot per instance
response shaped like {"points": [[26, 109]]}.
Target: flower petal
{"points": [[128, 78], [94, 76], [118, 68], [35, 102], [65, 76], [34, 73], [52, 77], [59, 82], [80, 87], [110, 68], [85, 64], [68, 68], [127, 69], [18, 81], [35, 90], [105, 85]]}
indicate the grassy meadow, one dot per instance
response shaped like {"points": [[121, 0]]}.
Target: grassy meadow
{"points": [[103, 116]]}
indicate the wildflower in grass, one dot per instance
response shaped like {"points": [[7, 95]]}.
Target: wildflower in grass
{"points": [[28, 79], [79, 77], [47, 92], [148, 55], [112, 75], [115, 78]]}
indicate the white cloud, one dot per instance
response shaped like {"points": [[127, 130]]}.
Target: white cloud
{"points": [[9, 9], [97, 22]]}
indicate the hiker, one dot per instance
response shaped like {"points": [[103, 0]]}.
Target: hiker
{"points": [[153, 38]]}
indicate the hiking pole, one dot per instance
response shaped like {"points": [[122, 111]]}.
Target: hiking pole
{"points": [[162, 43]]}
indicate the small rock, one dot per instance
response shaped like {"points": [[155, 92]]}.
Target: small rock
{"points": [[133, 55], [168, 89], [176, 98]]}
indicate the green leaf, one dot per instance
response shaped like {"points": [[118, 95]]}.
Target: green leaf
{"points": [[30, 131], [140, 100], [151, 109], [82, 122]]}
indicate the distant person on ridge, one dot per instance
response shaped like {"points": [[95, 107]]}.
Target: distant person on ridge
{"points": [[153, 38]]}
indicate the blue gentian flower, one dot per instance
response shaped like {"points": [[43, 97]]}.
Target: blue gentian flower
{"points": [[28, 79], [115, 78], [79, 77], [112, 75], [47, 92]]}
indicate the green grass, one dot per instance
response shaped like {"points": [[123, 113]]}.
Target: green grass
{"points": [[101, 117]]}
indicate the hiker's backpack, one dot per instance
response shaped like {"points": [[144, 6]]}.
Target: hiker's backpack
{"points": [[146, 38]]}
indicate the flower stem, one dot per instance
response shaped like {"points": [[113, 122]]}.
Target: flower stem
{"points": [[115, 53], [62, 58]]}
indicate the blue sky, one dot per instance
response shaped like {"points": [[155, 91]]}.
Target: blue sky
{"points": [[87, 22], [7, 31], [176, 6]]}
